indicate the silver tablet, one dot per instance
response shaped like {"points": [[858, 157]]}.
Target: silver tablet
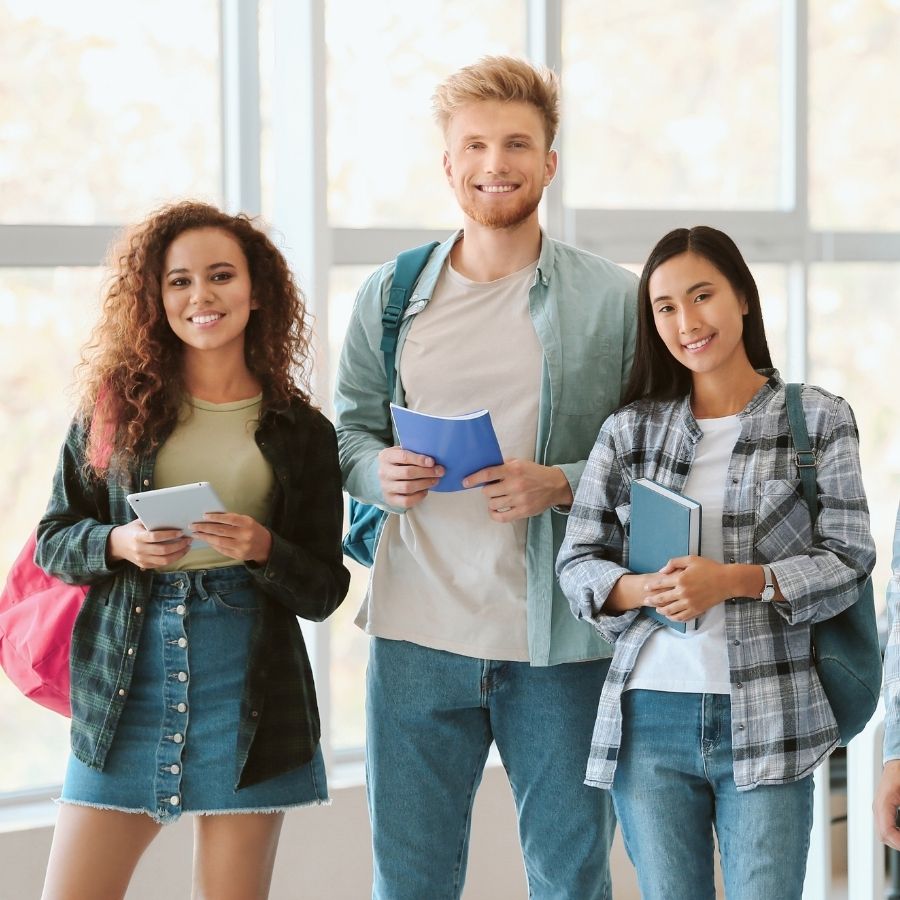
{"points": [[176, 507]]}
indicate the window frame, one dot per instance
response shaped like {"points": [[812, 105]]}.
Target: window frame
{"points": [[312, 246]]}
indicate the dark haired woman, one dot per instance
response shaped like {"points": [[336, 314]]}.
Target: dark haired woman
{"points": [[191, 686], [719, 727]]}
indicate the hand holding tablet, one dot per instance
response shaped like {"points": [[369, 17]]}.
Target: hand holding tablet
{"points": [[176, 507], [196, 511]]}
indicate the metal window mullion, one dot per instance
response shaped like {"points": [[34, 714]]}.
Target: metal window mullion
{"points": [[299, 123], [797, 367], [795, 178], [626, 235], [239, 74], [544, 46], [372, 246], [46, 246]]}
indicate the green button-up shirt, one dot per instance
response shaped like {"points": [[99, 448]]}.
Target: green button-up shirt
{"points": [[583, 309]]}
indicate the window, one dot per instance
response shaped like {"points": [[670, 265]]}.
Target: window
{"points": [[107, 111], [854, 71], [349, 645], [42, 324], [854, 323], [384, 61], [671, 105], [672, 116]]}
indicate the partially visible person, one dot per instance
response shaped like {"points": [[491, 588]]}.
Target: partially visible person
{"points": [[191, 687], [887, 797], [472, 641], [718, 728]]}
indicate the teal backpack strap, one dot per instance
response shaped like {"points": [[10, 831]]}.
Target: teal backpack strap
{"points": [[845, 648], [366, 521], [806, 456], [409, 266]]}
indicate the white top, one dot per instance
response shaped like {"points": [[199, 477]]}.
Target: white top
{"points": [[445, 575], [696, 662]]}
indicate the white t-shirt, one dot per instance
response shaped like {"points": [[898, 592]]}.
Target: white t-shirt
{"points": [[696, 661], [445, 575]]}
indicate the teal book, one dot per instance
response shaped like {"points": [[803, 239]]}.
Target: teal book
{"points": [[461, 444], [664, 524]]}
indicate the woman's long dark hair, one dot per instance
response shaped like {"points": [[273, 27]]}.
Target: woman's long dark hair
{"points": [[655, 373]]}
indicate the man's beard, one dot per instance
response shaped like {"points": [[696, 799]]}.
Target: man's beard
{"points": [[508, 217]]}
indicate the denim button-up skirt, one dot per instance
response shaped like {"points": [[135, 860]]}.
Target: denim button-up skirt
{"points": [[175, 747]]}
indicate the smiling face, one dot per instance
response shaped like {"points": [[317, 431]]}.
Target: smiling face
{"points": [[497, 162], [206, 290], [698, 315]]}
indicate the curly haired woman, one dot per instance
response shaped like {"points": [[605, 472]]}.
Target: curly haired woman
{"points": [[191, 686]]}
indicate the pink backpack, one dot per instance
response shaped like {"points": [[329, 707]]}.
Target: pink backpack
{"points": [[37, 614]]}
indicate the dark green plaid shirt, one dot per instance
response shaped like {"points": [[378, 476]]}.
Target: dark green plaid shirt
{"points": [[304, 576]]}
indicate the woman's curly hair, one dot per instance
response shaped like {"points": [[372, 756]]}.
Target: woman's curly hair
{"points": [[131, 374]]}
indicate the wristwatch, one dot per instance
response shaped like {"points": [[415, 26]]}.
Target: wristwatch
{"points": [[768, 592]]}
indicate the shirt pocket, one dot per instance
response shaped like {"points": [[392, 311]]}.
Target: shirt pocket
{"points": [[586, 375], [783, 527]]}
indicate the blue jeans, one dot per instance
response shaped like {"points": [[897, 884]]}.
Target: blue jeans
{"points": [[674, 783], [431, 717]]}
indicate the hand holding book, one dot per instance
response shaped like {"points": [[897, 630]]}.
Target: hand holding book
{"points": [[680, 585], [685, 588], [521, 488], [664, 526], [406, 477], [464, 450], [462, 445]]}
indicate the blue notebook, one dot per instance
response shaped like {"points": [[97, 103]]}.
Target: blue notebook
{"points": [[664, 524], [461, 444]]}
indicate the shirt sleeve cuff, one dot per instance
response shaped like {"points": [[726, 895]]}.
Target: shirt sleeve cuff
{"points": [[573, 472], [97, 561], [891, 742]]}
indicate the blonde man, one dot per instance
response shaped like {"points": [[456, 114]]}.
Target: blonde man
{"points": [[473, 642]]}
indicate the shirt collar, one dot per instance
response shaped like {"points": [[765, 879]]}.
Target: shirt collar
{"points": [[764, 395], [428, 279]]}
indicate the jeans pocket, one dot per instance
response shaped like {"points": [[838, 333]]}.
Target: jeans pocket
{"points": [[241, 599]]}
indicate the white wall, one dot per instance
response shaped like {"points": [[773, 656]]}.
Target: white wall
{"points": [[324, 854]]}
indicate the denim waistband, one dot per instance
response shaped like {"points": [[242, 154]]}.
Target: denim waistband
{"points": [[199, 581]]}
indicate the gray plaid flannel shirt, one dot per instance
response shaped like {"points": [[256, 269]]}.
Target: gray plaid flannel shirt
{"points": [[782, 725]]}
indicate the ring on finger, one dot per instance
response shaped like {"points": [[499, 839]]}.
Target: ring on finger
{"points": [[502, 509]]}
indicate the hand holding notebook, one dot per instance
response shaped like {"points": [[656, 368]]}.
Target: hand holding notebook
{"points": [[461, 444], [664, 525]]}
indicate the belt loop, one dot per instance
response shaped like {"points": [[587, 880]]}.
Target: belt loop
{"points": [[199, 587]]}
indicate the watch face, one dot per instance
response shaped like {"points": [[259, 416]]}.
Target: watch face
{"points": [[768, 593]]}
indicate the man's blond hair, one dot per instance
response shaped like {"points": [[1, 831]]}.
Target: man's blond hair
{"points": [[504, 78]]}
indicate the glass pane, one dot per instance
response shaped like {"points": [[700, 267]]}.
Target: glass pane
{"points": [[854, 73], [107, 111], [45, 316], [771, 280], [854, 315], [384, 150], [349, 653], [266, 110], [671, 105], [349, 645]]}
